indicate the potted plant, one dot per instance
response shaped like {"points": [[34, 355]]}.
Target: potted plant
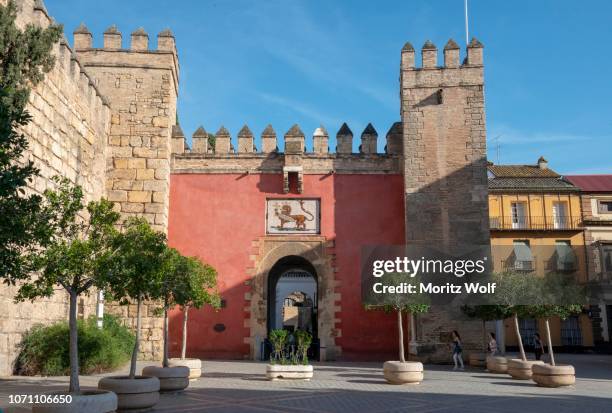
{"points": [[71, 259], [559, 289], [402, 371], [514, 288], [134, 273], [199, 281], [289, 360]]}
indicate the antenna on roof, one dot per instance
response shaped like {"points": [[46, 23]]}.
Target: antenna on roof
{"points": [[467, 31], [497, 146]]}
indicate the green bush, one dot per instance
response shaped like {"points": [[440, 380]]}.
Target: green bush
{"points": [[44, 349]]}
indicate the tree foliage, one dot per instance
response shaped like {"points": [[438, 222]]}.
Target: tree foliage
{"points": [[133, 272], [76, 250], [25, 56], [186, 281]]}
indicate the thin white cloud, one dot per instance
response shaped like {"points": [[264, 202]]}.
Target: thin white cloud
{"points": [[299, 107], [506, 135]]}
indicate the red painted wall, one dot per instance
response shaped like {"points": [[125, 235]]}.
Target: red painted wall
{"points": [[217, 216]]}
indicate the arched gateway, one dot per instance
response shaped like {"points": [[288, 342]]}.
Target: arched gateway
{"points": [[293, 287]]}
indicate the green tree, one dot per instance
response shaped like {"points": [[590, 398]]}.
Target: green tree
{"points": [[25, 56], [200, 289], [486, 313], [415, 303], [561, 296], [186, 282], [74, 257], [134, 273], [515, 293]]}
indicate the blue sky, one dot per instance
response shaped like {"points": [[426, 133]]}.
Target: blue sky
{"points": [[324, 62]]}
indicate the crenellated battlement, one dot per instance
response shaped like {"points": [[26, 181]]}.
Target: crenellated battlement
{"points": [[242, 156], [452, 72], [139, 54], [113, 40], [244, 143]]}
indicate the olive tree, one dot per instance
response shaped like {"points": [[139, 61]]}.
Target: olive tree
{"points": [[486, 313], [74, 257], [515, 290], [415, 303], [561, 297]]}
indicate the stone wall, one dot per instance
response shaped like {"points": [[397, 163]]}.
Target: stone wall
{"points": [[67, 137], [444, 169]]}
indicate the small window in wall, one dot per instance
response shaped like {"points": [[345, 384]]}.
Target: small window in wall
{"points": [[560, 218], [523, 259], [570, 332], [565, 256], [604, 207], [528, 328], [519, 215]]}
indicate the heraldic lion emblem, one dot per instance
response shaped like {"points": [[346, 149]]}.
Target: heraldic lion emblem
{"points": [[284, 214]]}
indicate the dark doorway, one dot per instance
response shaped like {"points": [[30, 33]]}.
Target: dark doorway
{"points": [[293, 299]]}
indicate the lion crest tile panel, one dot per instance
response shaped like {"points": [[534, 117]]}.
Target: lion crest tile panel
{"points": [[292, 216]]}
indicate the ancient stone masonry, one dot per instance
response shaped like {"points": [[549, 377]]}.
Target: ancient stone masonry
{"points": [[202, 158], [67, 137], [444, 168], [142, 86]]}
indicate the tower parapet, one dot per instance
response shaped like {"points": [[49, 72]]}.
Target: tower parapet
{"points": [[142, 87]]}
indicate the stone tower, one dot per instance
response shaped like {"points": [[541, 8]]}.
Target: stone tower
{"points": [[141, 86], [444, 146]]}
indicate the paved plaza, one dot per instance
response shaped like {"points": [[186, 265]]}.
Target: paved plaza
{"points": [[240, 387]]}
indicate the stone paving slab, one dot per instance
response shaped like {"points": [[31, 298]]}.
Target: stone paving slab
{"points": [[240, 387]]}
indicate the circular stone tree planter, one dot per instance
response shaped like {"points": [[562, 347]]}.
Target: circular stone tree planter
{"points": [[194, 365], [137, 394], [546, 375], [497, 364], [409, 372], [477, 359], [520, 369], [90, 401], [170, 378], [290, 372]]}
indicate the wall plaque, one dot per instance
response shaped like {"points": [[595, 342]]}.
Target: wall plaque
{"points": [[293, 216]]}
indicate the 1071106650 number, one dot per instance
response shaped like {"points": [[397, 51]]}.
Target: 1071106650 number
{"points": [[40, 398]]}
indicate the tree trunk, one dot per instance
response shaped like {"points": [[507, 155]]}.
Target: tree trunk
{"points": [[165, 360], [184, 344], [519, 338], [549, 342], [401, 336], [74, 346], [137, 343], [484, 336]]}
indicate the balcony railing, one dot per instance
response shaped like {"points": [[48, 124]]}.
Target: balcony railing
{"points": [[537, 223]]}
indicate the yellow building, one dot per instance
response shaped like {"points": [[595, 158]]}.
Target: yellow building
{"points": [[535, 222]]}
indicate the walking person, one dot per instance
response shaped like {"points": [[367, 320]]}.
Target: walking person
{"points": [[457, 351], [538, 347], [492, 346]]}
